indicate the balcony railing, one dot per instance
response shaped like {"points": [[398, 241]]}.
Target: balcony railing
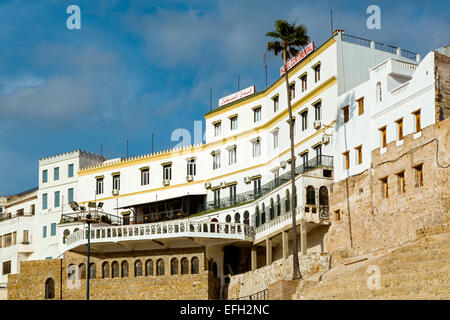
{"points": [[7, 215], [93, 215], [163, 230], [320, 161], [261, 295]]}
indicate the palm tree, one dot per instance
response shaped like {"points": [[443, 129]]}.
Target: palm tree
{"points": [[290, 38]]}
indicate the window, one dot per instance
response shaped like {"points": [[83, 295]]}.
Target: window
{"points": [[160, 267], [360, 106], [56, 202], [275, 135], [184, 266], [232, 155], [70, 195], [358, 154], [232, 194], [217, 129], [256, 147], [257, 186], [216, 160], [399, 129], [44, 232], [116, 182], [417, 125], [345, 111], [418, 171], [114, 269], [70, 171], [191, 167], [304, 82], [317, 110], [53, 229], [174, 266], [217, 198], [257, 114], [7, 240], [401, 182], [310, 195], [92, 271], [234, 123], [99, 187], [44, 201], [379, 97], [26, 237], [56, 173], [14, 237], [145, 177], [124, 269], [292, 91], [317, 73], [49, 289], [167, 172], [346, 160], [304, 159], [82, 271], [276, 101], [105, 270], [44, 176], [194, 265], [383, 140], [318, 150], [149, 267], [304, 116], [384, 187]]}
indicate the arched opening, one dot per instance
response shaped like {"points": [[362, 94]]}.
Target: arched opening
{"points": [[160, 267], [66, 233], [71, 272], [174, 266], [237, 217], [184, 266], [194, 265], [272, 209], [92, 271], [246, 217], [323, 202], [228, 218], [105, 270], [149, 267], [82, 271], [124, 268], [288, 201], [114, 269], [379, 91], [138, 268], [263, 213], [213, 225], [257, 221], [278, 205], [49, 289], [310, 195]]}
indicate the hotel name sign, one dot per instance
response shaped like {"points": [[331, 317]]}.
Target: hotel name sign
{"points": [[236, 96], [299, 57]]}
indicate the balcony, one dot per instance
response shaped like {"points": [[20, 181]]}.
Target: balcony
{"points": [[8, 215], [320, 161], [160, 234]]}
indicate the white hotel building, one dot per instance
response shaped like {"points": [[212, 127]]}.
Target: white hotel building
{"points": [[230, 195]]}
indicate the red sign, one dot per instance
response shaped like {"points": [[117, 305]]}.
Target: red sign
{"points": [[299, 57], [236, 96]]}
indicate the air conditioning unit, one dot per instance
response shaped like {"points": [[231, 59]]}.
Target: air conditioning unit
{"points": [[115, 192], [166, 182], [317, 124], [283, 164], [189, 178], [325, 139], [247, 180], [207, 185]]}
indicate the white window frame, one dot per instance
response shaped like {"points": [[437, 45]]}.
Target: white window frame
{"points": [[167, 172]]}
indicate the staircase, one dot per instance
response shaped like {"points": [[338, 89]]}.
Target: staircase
{"points": [[419, 270]]}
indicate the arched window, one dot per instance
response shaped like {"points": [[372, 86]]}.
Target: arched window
{"points": [[228, 218], [66, 233], [114, 269], [237, 217], [92, 271], [174, 266], [257, 216], [271, 209], [288, 201], [323, 196], [138, 268], [105, 270], [184, 266], [278, 205], [49, 289], [246, 217], [379, 97], [263, 213], [149, 267], [310, 195], [82, 271], [124, 269], [213, 225], [160, 267], [194, 265], [71, 272]]}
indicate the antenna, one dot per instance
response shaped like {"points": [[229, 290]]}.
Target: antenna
{"points": [[331, 21], [127, 148], [239, 79], [265, 65], [101, 151], [210, 99], [152, 141]]}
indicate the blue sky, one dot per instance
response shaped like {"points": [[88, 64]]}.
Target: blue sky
{"points": [[142, 67]]}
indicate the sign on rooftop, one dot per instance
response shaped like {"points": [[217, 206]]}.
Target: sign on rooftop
{"points": [[236, 96], [299, 57]]}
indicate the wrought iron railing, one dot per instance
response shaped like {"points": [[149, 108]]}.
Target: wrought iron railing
{"points": [[261, 295], [319, 161], [93, 215], [8, 215]]}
